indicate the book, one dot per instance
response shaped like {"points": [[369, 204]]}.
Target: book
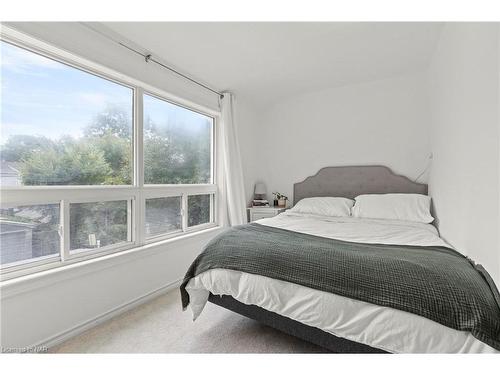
{"points": [[260, 203]]}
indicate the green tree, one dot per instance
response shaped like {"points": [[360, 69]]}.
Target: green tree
{"points": [[102, 156], [113, 120], [76, 163], [106, 220], [173, 156], [20, 146], [111, 132], [117, 153]]}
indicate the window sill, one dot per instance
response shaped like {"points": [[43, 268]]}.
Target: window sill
{"points": [[58, 273]]}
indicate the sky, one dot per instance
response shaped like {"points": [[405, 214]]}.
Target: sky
{"points": [[160, 111], [40, 96]]}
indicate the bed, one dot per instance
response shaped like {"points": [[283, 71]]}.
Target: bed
{"points": [[340, 310]]}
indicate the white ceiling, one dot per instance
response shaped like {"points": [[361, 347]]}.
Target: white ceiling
{"points": [[267, 62]]}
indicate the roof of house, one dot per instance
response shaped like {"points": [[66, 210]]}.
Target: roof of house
{"points": [[9, 168]]}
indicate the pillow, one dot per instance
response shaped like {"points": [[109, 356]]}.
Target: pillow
{"points": [[408, 207], [326, 206]]}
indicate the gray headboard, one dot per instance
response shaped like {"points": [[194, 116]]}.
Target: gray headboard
{"points": [[352, 181]]}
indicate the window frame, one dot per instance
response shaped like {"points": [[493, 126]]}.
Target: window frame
{"points": [[136, 193]]}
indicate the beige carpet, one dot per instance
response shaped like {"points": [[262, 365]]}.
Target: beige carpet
{"points": [[160, 326]]}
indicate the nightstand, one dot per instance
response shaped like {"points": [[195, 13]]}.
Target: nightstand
{"points": [[257, 213]]}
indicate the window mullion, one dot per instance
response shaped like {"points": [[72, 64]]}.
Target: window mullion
{"points": [[139, 215], [184, 212], [212, 208], [65, 225], [130, 221], [138, 138]]}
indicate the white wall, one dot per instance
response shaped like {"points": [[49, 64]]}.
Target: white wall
{"points": [[464, 102], [48, 307], [381, 122]]}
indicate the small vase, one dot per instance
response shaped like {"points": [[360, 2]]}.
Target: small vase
{"points": [[281, 202]]}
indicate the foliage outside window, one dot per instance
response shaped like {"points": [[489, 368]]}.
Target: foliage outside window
{"points": [[97, 224], [177, 144], [163, 215]]}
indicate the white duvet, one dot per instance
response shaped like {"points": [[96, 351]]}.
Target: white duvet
{"points": [[381, 327]]}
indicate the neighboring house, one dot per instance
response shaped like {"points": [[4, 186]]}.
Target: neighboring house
{"points": [[15, 241], [9, 173], [26, 234]]}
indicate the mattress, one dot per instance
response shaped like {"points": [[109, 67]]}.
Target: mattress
{"points": [[381, 327]]}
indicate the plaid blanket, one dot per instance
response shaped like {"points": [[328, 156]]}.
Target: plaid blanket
{"points": [[434, 282]]}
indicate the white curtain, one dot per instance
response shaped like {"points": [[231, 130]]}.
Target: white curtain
{"points": [[232, 192]]}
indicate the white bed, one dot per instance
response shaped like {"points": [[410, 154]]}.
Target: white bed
{"points": [[380, 327]]}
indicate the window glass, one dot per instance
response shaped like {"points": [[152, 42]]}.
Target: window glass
{"points": [[163, 215], [29, 233], [61, 125], [199, 209], [98, 224], [177, 144]]}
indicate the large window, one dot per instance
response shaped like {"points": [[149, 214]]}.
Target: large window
{"points": [[81, 174]]}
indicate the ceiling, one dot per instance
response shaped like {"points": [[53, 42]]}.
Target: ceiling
{"points": [[268, 62]]}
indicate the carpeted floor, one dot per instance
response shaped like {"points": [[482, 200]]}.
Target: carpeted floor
{"points": [[160, 326]]}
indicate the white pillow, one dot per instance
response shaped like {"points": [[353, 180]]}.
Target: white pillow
{"points": [[408, 207], [326, 206]]}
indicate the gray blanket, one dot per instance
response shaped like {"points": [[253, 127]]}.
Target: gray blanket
{"points": [[434, 282]]}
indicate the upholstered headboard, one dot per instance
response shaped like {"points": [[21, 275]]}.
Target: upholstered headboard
{"points": [[352, 181]]}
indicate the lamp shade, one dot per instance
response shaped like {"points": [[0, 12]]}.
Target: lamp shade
{"points": [[260, 188]]}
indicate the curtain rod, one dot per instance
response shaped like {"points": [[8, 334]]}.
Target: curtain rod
{"points": [[148, 57]]}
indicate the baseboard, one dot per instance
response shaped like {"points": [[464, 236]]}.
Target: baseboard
{"points": [[80, 328]]}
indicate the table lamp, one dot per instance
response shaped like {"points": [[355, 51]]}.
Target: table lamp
{"points": [[260, 191]]}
